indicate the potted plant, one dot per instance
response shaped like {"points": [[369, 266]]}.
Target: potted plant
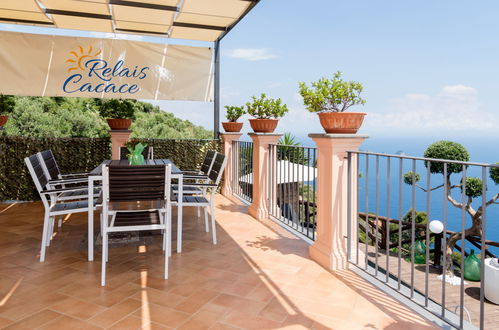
{"points": [[233, 114], [119, 113], [266, 113], [330, 98], [6, 105]]}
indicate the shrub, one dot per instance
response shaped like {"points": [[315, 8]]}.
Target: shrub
{"points": [[118, 109], [331, 95], [233, 113], [410, 176], [266, 108], [446, 150], [7, 104]]}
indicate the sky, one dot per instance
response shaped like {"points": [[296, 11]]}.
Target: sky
{"points": [[429, 68]]}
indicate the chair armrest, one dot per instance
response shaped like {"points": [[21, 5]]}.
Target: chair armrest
{"points": [[56, 191], [67, 181], [74, 175], [207, 185], [199, 176]]}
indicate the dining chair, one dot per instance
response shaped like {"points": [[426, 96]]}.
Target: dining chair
{"points": [[148, 152], [52, 171], [53, 206], [204, 169], [203, 200], [135, 198]]}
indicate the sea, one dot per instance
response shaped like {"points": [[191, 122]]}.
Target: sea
{"points": [[481, 150]]}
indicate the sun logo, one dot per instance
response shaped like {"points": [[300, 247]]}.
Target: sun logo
{"points": [[79, 59]]}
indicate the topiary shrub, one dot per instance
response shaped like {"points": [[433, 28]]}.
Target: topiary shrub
{"points": [[446, 150]]}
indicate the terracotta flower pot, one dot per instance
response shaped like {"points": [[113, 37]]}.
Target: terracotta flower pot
{"points": [[341, 122], [119, 124], [263, 125], [3, 120], [232, 126]]}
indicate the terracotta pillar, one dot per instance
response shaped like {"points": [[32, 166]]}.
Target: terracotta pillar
{"points": [[330, 246], [227, 139], [118, 139], [261, 141]]}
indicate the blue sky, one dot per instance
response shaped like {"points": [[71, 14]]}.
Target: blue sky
{"points": [[429, 68]]}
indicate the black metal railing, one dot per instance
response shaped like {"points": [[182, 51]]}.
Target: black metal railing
{"points": [[389, 234], [292, 187], [242, 174]]}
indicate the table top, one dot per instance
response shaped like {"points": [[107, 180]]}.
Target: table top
{"points": [[124, 162]]}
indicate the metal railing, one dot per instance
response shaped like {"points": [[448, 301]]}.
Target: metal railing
{"points": [[242, 175], [292, 187], [389, 233]]}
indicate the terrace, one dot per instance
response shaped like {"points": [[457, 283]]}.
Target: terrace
{"points": [[257, 276], [303, 240]]}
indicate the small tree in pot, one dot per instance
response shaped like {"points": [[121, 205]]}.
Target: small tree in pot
{"points": [[233, 114], [7, 104], [266, 113], [330, 98], [119, 113]]}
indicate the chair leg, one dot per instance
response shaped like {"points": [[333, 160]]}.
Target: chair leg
{"points": [[179, 229], [169, 233], [104, 259], [213, 226], [59, 223], [207, 227], [199, 211], [46, 225], [51, 230]]}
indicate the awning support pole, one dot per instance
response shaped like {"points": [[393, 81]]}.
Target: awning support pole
{"points": [[216, 103]]}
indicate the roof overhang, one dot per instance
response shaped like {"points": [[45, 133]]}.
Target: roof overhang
{"points": [[203, 20]]}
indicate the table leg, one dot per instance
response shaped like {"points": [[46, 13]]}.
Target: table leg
{"points": [[180, 196], [90, 219]]}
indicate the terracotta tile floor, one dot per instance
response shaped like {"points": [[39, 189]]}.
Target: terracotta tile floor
{"points": [[257, 277]]}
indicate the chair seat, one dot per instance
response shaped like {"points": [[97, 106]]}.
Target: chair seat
{"points": [[137, 218], [71, 207]]}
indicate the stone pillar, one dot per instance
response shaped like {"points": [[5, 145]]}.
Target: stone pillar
{"points": [[118, 139], [330, 246], [227, 139], [261, 141]]}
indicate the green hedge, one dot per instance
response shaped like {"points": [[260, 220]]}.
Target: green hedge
{"points": [[72, 155], [82, 155]]}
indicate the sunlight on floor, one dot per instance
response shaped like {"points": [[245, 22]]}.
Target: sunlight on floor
{"points": [[146, 314], [11, 291]]}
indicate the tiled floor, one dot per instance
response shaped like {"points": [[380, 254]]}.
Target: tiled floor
{"points": [[257, 277]]}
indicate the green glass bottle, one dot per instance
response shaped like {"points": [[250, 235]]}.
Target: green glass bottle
{"points": [[472, 267]]}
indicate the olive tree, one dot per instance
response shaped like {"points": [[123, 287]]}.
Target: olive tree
{"points": [[472, 188]]}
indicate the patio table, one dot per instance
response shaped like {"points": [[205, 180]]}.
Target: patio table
{"points": [[96, 175]]}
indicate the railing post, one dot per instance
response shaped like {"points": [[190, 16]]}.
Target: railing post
{"points": [[330, 246], [261, 142], [227, 139], [118, 139]]}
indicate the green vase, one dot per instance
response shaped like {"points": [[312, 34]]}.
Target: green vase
{"points": [[135, 159], [419, 252], [472, 267]]}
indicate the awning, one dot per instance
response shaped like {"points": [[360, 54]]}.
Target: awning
{"points": [[288, 172], [205, 20]]}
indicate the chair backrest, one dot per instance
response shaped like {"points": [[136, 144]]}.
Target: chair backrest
{"points": [[136, 183], [148, 152], [218, 167], [49, 164], [38, 175], [208, 161]]}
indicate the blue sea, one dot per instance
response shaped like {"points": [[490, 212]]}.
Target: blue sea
{"points": [[481, 150]]}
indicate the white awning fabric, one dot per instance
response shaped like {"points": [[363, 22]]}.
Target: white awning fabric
{"points": [[204, 20], [288, 172], [44, 65]]}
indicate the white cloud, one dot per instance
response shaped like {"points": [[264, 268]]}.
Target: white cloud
{"points": [[251, 54], [454, 109]]}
